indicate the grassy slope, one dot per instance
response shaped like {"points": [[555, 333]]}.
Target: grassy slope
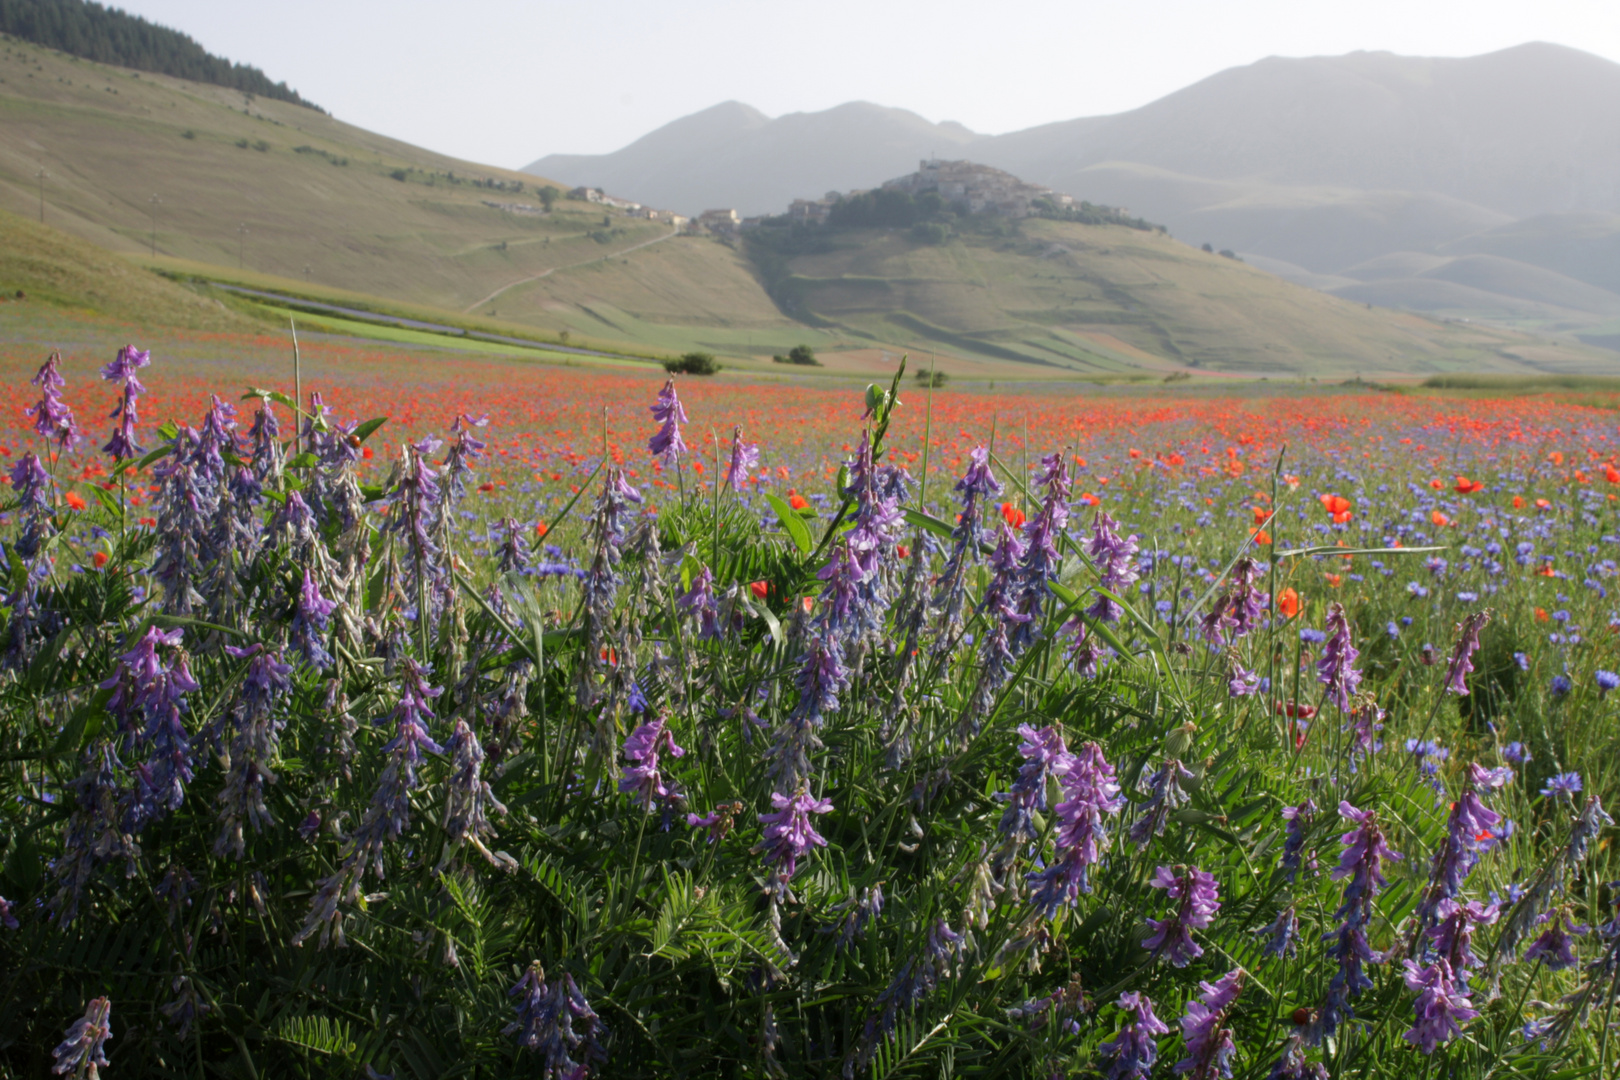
{"points": [[1102, 298], [1056, 300], [52, 267]]}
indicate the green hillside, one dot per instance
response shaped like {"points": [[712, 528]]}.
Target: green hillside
{"points": [[247, 187], [49, 267]]}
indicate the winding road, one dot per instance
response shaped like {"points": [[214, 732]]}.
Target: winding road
{"points": [[571, 266]]}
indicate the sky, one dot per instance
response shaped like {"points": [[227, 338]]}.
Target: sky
{"points": [[504, 82]]}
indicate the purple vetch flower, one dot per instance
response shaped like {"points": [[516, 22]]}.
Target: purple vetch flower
{"points": [[1167, 789], [1132, 1052], [124, 366], [1362, 864], [1198, 897], [789, 831], [1563, 786], [1299, 820], [1462, 657], [1240, 682], [556, 1022], [7, 919], [1554, 947], [33, 487], [1045, 757], [465, 448], [1115, 557], [389, 814], [1293, 1065], [1041, 560], [1515, 753], [468, 799], [309, 624], [1090, 791], [1335, 669], [1282, 934], [861, 911], [148, 700], [1002, 619], [1203, 1028], [411, 515], [642, 776], [1248, 604], [744, 460], [83, 1051], [1366, 721], [1469, 829], [1090, 653], [1452, 936], [821, 677], [53, 420], [699, 601], [976, 485], [666, 443], [249, 743], [1442, 1005]]}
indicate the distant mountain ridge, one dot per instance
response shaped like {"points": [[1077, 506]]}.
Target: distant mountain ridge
{"points": [[1312, 165]]}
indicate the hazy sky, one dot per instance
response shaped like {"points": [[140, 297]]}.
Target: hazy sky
{"points": [[507, 81]]}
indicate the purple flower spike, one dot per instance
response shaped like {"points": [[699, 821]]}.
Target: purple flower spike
{"points": [[82, 1053], [1462, 657], [1133, 1051], [1555, 947], [124, 366], [1442, 1005], [666, 443], [1090, 791], [1335, 670], [789, 832], [1115, 557], [53, 420], [1470, 829], [1045, 757], [556, 1022], [1203, 1028], [309, 624], [642, 777], [744, 460], [7, 919], [1299, 820], [1199, 899], [699, 602], [1362, 864]]}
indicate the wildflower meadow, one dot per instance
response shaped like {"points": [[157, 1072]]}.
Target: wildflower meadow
{"points": [[588, 724]]}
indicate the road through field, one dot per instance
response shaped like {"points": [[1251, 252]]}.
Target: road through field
{"points": [[571, 266]]}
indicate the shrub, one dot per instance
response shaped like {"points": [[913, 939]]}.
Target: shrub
{"points": [[935, 379], [693, 363], [802, 355]]}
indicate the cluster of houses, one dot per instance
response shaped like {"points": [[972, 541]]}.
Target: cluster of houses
{"points": [[631, 209], [964, 186]]}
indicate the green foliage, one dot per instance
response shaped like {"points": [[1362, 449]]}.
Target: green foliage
{"points": [[110, 36], [693, 363], [930, 232], [802, 355], [935, 379]]}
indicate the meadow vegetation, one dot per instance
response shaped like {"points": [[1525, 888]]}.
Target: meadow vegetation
{"points": [[492, 719]]}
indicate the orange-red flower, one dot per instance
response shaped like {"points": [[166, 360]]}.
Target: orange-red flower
{"points": [[760, 589], [74, 500], [1466, 486], [1012, 515], [100, 559], [1288, 603]]}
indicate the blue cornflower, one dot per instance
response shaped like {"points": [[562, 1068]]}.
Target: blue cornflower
{"points": [[1562, 786]]}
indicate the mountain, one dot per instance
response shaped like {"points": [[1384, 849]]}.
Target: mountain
{"points": [[306, 204], [1320, 163], [733, 155]]}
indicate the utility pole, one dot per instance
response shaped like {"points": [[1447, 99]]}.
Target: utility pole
{"points": [[154, 202], [42, 176], [241, 244]]}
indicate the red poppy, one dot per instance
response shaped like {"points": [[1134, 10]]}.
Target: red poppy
{"points": [[1466, 486], [797, 501], [541, 528], [759, 588], [1288, 603], [100, 559], [1012, 515], [74, 500], [1294, 709]]}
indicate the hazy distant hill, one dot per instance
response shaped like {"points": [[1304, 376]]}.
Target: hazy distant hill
{"points": [[1321, 163], [733, 155]]}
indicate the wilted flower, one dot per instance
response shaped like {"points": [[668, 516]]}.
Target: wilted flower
{"points": [[467, 799]]}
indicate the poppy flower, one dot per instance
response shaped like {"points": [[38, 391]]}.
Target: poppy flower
{"points": [[1541, 614], [1543, 504], [760, 589], [797, 501], [541, 528], [1260, 515], [487, 486], [1436, 483], [1335, 505], [1012, 515], [1332, 579], [1288, 603], [100, 559], [902, 551], [1296, 710], [1611, 474], [365, 452], [1440, 520], [1518, 502], [1089, 499], [1556, 457], [1466, 486], [1261, 537], [74, 500]]}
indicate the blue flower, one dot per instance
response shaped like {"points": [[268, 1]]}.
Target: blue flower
{"points": [[1562, 786]]}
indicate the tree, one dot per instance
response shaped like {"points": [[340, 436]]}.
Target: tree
{"points": [[549, 196], [693, 363]]}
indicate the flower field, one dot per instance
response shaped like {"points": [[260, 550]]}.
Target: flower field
{"points": [[481, 719]]}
